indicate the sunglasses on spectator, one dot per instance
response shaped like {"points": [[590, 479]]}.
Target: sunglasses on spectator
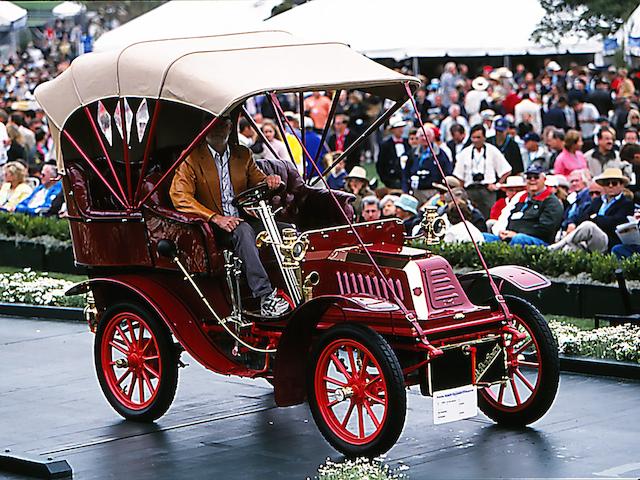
{"points": [[532, 176], [610, 183], [594, 194]]}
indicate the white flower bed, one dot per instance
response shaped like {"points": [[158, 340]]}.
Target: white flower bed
{"points": [[37, 289], [359, 469], [620, 343]]}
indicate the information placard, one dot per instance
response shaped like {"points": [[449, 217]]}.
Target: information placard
{"points": [[455, 404]]}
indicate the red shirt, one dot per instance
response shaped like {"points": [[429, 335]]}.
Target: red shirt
{"points": [[497, 208]]}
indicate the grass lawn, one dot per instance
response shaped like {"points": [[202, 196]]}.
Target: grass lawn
{"points": [[63, 276]]}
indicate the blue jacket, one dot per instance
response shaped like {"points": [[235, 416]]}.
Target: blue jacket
{"points": [[577, 209], [423, 167], [615, 215], [54, 191]]}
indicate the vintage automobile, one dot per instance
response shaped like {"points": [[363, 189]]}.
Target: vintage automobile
{"points": [[370, 314]]}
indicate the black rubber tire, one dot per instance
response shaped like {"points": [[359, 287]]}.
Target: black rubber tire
{"points": [[395, 394], [541, 400], [168, 358]]}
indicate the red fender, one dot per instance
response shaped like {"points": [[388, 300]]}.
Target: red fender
{"points": [[289, 371], [175, 315]]}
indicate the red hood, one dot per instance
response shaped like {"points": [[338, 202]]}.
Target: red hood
{"points": [[542, 196]]}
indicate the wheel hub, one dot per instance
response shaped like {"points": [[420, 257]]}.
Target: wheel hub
{"points": [[343, 393]]}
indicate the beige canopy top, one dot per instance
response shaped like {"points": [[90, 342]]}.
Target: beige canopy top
{"points": [[215, 73]]}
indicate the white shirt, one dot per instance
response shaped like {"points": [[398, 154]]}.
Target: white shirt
{"points": [[458, 233], [3, 147], [226, 187], [528, 108], [489, 161], [587, 119]]}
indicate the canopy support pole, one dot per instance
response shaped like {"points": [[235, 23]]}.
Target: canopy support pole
{"points": [[147, 147], [125, 151], [327, 126], [254, 125], [415, 65], [270, 96], [302, 130]]}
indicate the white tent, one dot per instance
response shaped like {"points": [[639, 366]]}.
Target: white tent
{"points": [[183, 18], [68, 9], [12, 16], [402, 29], [630, 35]]}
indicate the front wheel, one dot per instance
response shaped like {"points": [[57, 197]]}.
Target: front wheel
{"points": [[356, 391], [136, 362], [533, 370]]}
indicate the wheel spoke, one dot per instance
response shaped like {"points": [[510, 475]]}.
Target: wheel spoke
{"points": [[141, 388], [340, 366], [330, 380], [151, 371], [372, 415], [524, 379], [347, 416], [132, 386], [526, 345], [524, 363], [146, 345], [153, 357], [140, 335], [360, 421], [333, 404], [501, 392], [352, 360], [374, 398], [516, 395], [147, 380], [363, 368], [119, 347], [124, 337], [124, 375]]}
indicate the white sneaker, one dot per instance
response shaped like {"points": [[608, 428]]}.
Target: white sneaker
{"points": [[273, 305]]}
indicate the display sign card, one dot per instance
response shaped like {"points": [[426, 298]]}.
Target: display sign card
{"points": [[455, 404]]}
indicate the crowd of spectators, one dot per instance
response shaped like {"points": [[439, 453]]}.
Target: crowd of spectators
{"points": [[545, 157], [542, 157]]}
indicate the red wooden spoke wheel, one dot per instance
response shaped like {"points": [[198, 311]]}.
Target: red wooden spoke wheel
{"points": [[135, 362], [532, 369], [356, 391]]}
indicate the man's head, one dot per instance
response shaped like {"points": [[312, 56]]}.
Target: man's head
{"points": [[413, 138], [478, 136], [630, 152], [531, 142], [49, 174], [457, 132], [245, 128], [595, 190], [501, 126], [606, 138], [218, 135], [535, 177], [370, 209], [454, 111], [340, 123], [555, 139], [579, 179], [631, 135], [396, 127], [578, 105], [612, 181]]}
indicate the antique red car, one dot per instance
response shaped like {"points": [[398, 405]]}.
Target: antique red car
{"points": [[370, 315]]}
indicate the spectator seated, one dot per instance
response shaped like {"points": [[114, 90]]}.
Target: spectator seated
{"points": [[47, 198]]}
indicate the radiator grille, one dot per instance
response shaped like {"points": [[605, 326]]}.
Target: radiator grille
{"points": [[349, 282], [442, 290]]}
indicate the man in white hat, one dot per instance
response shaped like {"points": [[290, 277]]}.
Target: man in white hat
{"points": [[474, 98], [395, 153], [596, 231]]}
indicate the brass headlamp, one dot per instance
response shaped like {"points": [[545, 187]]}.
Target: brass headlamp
{"points": [[293, 248], [433, 226]]}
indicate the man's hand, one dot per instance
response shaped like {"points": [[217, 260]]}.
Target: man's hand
{"points": [[273, 181], [571, 227], [506, 234], [228, 224], [492, 187]]}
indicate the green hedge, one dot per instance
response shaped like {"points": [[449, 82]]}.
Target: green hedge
{"points": [[549, 262], [17, 224]]}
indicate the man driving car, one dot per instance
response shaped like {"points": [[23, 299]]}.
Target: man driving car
{"points": [[206, 183]]}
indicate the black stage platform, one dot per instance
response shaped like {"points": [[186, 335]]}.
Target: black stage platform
{"points": [[51, 407]]}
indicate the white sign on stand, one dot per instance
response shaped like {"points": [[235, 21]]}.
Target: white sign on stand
{"points": [[455, 404]]}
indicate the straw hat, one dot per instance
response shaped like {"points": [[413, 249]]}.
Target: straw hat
{"points": [[358, 173], [612, 174], [514, 181], [407, 203], [480, 83], [452, 181]]}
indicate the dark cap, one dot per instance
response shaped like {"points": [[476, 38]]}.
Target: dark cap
{"points": [[531, 137], [501, 124], [536, 169]]}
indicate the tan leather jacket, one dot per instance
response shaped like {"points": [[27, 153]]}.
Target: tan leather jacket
{"points": [[196, 186]]}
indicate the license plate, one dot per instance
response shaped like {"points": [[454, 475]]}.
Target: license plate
{"points": [[455, 404]]}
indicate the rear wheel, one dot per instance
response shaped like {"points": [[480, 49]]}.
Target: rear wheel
{"points": [[356, 391], [136, 362], [533, 370]]}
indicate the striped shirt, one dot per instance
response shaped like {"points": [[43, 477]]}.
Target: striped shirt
{"points": [[226, 187]]}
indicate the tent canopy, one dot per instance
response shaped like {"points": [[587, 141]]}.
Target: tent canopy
{"points": [[215, 73], [12, 16], [186, 18], [426, 28]]}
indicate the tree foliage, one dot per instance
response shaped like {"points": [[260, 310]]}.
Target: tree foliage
{"points": [[584, 18]]}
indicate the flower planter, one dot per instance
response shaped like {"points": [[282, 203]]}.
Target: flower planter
{"points": [[34, 255]]}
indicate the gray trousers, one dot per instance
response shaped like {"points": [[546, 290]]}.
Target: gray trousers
{"points": [[243, 242], [587, 236]]}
